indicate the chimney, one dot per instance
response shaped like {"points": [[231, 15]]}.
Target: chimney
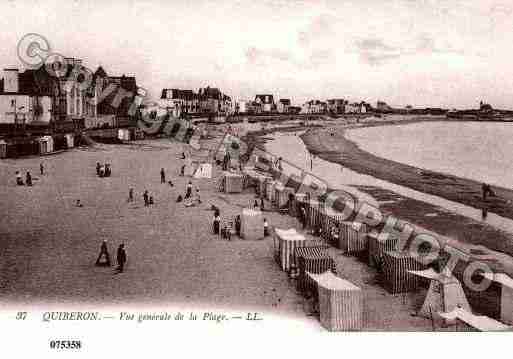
{"points": [[68, 61], [11, 82]]}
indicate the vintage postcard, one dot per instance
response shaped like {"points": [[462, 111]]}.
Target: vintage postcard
{"points": [[243, 178]]}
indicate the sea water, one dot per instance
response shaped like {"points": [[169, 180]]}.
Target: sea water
{"points": [[481, 151]]}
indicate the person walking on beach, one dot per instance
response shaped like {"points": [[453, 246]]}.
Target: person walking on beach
{"points": [[146, 198], [131, 195], [487, 191], [121, 258], [303, 216], [216, 223], [162, 176], [28, 179], [108, 171], [188, 192], [238, 225], [104, 252], [41, 168], [266, 228], [198, 197], [19, 181]]}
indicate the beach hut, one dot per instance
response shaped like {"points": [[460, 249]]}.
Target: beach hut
{"points": [[70, 140], [506, 295], [123, 134], [314, 260], [285, 244], [340, 302], [444, 295], [397, 267], [252, 224], [298, 202], [269, 190], [45, 144], [315, 218], [352, 237], [233, 182], [281, 196], [204, 170], [377, 246], [262, 185], [3, 149]]}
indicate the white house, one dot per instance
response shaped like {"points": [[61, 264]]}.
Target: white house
{"points": [[22, 104]]}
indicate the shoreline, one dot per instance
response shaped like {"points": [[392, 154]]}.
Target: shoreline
{"points": [[338, 149], [343, 151]]}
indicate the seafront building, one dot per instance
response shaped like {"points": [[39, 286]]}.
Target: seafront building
{"points": [[266, 101], [34, 97], [208, 100], [117, 94], [21, 102], [283, 105], [42, 110]]}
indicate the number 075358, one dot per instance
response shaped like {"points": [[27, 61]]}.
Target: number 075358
{"points": [[65, 344]]}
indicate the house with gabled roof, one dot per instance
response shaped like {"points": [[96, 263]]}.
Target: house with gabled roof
{"points": [[266, 101]]}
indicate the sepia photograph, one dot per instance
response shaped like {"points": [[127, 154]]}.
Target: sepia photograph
{"points": [[175, 171]]}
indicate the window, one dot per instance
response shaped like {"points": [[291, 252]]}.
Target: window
{"points": [[13, 103]]}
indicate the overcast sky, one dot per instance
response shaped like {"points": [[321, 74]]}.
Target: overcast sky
{"points": [[447, 53]]}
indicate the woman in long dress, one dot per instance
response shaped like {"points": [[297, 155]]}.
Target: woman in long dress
{"points": [[216, 224]]}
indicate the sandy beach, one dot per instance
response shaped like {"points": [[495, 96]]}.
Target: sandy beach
{"points": [[49, 246]]}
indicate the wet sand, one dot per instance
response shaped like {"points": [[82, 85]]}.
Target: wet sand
{"points": [[336, 148]]}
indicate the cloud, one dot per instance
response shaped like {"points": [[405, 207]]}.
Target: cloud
{"points": [[375, 51]]}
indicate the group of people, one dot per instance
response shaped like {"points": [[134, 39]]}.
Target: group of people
{"points": [[189, 198], [148, 200], [19, 179], [103, 170], [28, 176], [104, 257], [226, 230]]}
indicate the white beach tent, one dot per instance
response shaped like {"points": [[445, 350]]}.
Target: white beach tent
{"points": [[124, 134], [204, 170], [70, 140], [45, 144], [3, 149]]}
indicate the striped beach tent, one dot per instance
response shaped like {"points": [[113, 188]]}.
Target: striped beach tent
{"points": [[352, 237], [396, 267], [314, 260], [377, 246], [286, 242], [340, 302]]}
